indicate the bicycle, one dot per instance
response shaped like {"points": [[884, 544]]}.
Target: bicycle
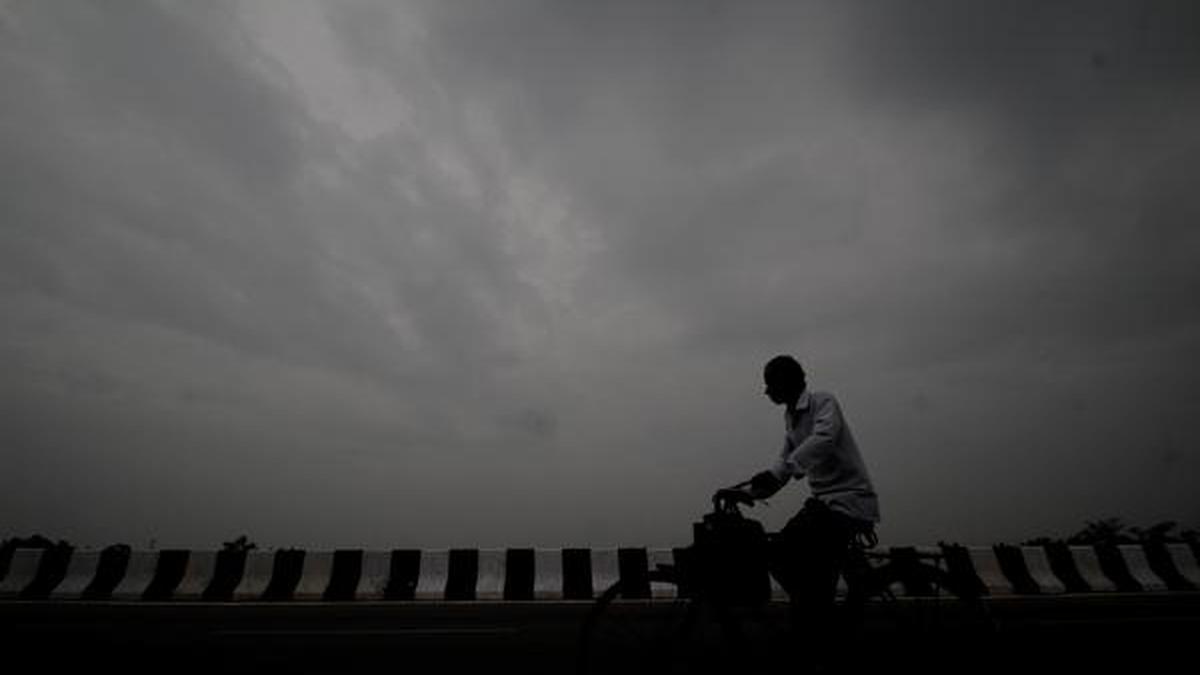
{"points": [[717, 622]]}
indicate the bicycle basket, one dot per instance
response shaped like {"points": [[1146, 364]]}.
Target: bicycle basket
{"points": [[730, 558]]}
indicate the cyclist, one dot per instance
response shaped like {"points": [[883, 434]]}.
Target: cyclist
{"points": [[808, 554]]}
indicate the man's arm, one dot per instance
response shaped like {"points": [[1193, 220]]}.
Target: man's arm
{"points": [[827, 428]]}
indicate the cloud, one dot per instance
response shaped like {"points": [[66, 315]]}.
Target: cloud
{"points": [[503, 263]]}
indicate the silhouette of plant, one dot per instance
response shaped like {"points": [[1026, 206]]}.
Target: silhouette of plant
{"points": [[242, 543], [1163, 532], [35, 541], [1103, 532]]}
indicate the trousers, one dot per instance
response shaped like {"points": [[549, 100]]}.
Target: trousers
{"points": [[806, 558]]}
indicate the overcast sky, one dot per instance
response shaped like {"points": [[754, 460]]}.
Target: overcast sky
{"points": [[376, 274]]}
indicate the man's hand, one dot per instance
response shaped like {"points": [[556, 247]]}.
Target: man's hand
{"points": [[732, 496], [764, 484]]}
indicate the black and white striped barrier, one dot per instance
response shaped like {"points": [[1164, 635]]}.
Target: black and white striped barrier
{"points": [[60, 574]]}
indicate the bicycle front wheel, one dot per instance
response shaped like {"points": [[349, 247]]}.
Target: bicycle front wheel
{"points": [[682, 635], [634, 636]]}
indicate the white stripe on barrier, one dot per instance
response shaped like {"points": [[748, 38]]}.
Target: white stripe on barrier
{"points": [[777, 592], [1038, 564], [896, 588], [655, 557], [987, 568], [376, 571], [1185, 562], [547, 574], [1139, 568], [606, 569], [139, 572], [928, 555], [1088, 564], [22, 569], [314, 575], [435, 571], [81, 569], [256, 575], [489, 581], [201, 566]]}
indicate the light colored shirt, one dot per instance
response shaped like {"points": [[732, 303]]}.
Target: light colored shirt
{"points": [[818, 444]]}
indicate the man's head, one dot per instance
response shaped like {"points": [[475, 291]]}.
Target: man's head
{"points": [[785, 380]]}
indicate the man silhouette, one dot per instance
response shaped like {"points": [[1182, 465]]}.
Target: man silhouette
{"points": [[810, 551]]}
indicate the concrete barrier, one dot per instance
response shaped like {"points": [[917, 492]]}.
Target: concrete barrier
{"points": [[434, 574], [548, 581], [537, 574], [80, 572], [606, 569], [1088, 565], [1038, 564], [658, 589], [987, 568], [22, 570], [1139, 568], [1185, 562], [489, 583], [376, 569], [256, 576], [139, 573], [315, 574], [201, 566]]}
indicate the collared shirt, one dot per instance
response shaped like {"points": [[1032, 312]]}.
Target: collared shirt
{"points": [[818, 444]]}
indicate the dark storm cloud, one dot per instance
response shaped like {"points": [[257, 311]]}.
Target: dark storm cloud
{"points": [[717, 143], [496, 263], [975, 200], [1090, 106]]}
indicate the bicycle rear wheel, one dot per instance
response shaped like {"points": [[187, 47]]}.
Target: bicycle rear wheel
{"points": [[912, 612]]}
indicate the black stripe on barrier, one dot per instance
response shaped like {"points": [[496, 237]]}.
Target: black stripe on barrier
{"points": [[685, 573], [462, 574], [168, 572], [1163, 565], [633, 567], [1012, 564], [962, 571], [1062, 563], [7, 549], [577, 574], [518, 574], [110, 569], [285, 575], [403, 575], [345, 575], [1112, 563], [227, 574], [52, 568]]}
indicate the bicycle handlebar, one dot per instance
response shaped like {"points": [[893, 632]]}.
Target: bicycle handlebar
{"points": [[726, 500]]}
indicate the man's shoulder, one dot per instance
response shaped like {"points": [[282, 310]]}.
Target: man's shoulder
{"points": [[820, 397]]}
